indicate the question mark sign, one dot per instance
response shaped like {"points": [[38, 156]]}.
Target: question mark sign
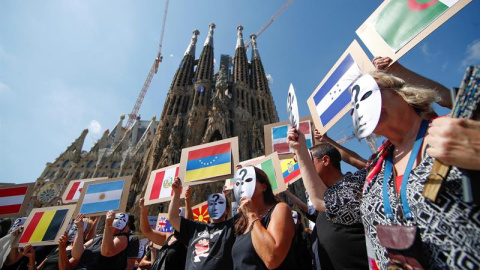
{"points": [[244, 172], [215, 197], [356, 88]]}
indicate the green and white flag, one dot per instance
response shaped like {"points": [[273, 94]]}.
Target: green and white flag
{"points": [[402, 20], [268, 168]]}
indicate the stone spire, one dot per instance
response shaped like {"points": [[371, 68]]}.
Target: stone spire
{"points": [[191, 47], [240, 62], [255, 53], [209, 40], [205, 62], [184, 74]]}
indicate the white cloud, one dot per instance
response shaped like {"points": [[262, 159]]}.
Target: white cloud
{"points": [[4, 88], [171, 55], [425, 49], [472, 53], [95, 127], [270, 79]]}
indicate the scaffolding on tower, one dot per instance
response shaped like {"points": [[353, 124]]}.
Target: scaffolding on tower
{"points": [[153, 70]]}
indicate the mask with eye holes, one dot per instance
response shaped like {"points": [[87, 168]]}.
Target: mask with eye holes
{"points": [[17, 223], [366, 106], [245, 181], [120, 221], [216, 205]]}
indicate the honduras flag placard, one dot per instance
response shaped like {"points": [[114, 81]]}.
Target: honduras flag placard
{"points": [[104, 195], [331, 99]]}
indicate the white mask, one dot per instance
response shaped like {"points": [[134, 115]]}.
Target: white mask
{"points": [[120, 221], [72, 232], [216, 205], [295, 217], [181, 211], [245, 181], [17, 223], [366, 106], [311, 208]]}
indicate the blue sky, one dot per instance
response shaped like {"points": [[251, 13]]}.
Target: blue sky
{"points": [[70, 65]]}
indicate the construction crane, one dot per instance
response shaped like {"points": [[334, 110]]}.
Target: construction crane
{"points": [[272, 19], [153, 70]]}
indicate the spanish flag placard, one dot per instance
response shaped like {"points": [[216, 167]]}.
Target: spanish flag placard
{"points": [[43, 225]]}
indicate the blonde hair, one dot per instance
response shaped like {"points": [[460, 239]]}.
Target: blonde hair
{"points": [[419, 98]]}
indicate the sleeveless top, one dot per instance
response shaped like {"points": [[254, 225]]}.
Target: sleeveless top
{"points": [[170, 256], [245, 256], [93, 259]]}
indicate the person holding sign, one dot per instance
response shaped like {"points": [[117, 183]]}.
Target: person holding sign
{"points": [[265, 229], [208, 245], [173, 252], [334, 195], [436, 234]]}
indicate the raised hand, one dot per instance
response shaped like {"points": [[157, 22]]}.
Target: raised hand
{"points": [[79, 221], [381, 63], [109, 218], [62, 242], [177, 185]]}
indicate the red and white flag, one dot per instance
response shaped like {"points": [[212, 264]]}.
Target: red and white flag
{"points": [[74, 189], [159, 188], [12, 199]]}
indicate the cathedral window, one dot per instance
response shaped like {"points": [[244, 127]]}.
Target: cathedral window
{"points": [[90, 163], [65, 164]]}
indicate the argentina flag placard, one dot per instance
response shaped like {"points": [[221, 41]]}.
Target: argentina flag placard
{"points": [[331, 99], [98, 197]]}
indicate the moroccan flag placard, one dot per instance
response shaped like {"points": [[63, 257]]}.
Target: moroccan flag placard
{"points": [[13, 202], [44, 226], [290, 170], [276, 137], [163, 225], [159, 187], [331, 100], [74, 189], [398, 25], [208, 162], [98, 197], [200, 212], [271, 166]]}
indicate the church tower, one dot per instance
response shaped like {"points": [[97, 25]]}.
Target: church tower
{"points": [[203, 107]]}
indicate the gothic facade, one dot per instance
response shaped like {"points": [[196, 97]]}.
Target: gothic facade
{"points": [[203, 106], [115, 154]]}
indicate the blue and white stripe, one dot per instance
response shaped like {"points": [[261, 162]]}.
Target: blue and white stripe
{"points": [[102, 197]]}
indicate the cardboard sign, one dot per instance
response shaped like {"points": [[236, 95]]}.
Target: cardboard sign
{"points": [[397, 26], [14, 199], [159, 187], [100, 196], [276, 137], [209, 162], [331, 100], [74, 189], [44, 226]]}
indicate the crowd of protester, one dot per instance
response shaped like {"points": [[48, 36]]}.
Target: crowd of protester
{"points": [[373, 218]]}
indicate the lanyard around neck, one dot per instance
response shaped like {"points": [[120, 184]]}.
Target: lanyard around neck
{"points": [[403, 190]]}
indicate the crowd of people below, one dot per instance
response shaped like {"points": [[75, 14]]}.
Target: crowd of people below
{"points": [[374, 218]]}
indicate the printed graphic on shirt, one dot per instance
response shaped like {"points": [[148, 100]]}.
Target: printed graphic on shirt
{"points": [[201, 245]]}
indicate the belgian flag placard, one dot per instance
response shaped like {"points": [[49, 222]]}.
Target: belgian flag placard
{"points": [[44, 226]]}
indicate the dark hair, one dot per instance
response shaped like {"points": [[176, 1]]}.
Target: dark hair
{"points": [[326, 149], [268, 197], [131, 222]]}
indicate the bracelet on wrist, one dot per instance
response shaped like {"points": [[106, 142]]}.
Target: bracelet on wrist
{"points": [[253, 223]]}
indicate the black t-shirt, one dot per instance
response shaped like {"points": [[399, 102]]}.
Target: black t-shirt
{"points": [[245, 256], [93, 259], [340, 230], [133, 246], [208, 245], [170, 256], [51, 262]]}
